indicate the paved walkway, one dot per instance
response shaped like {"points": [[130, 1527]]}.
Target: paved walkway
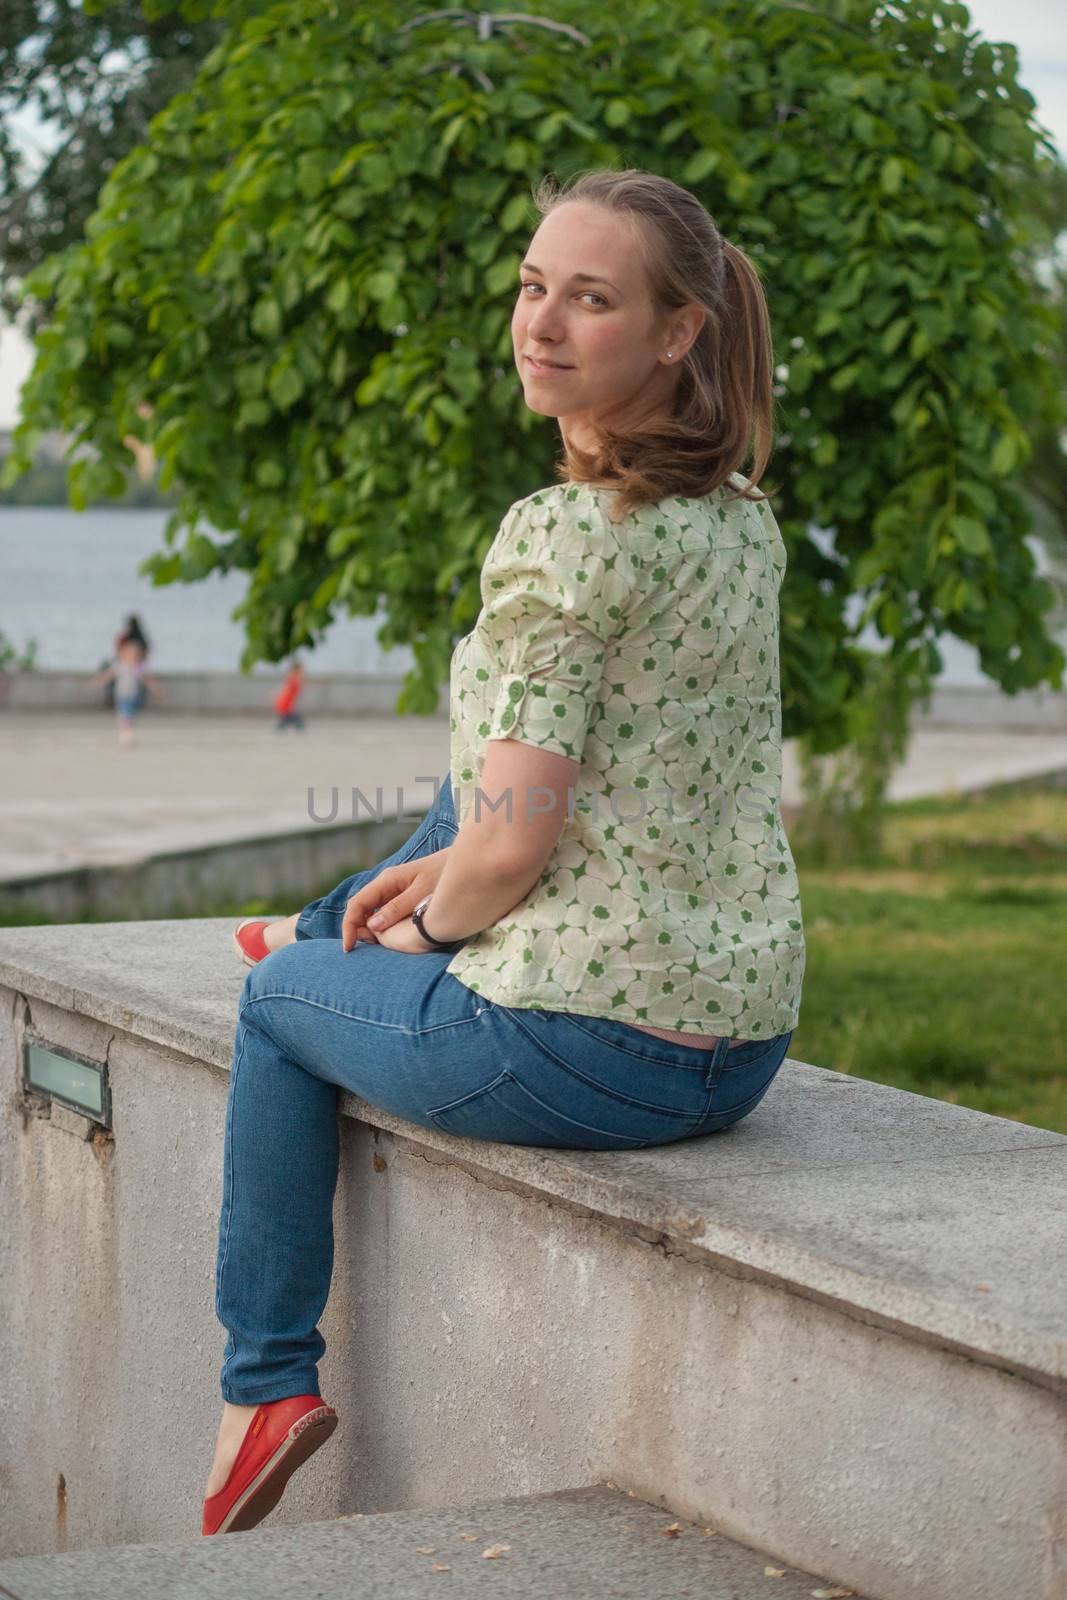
{"points": [[69, 796]]}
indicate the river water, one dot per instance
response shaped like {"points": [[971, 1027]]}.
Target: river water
{"points": [[68, 579]]}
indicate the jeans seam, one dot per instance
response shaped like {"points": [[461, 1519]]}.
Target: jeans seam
{"points": [[416, 844], [228, 1196], [350, 1016], [507, 1076]]}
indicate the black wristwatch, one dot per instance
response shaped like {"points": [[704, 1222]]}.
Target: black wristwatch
{"points": [[436, 944]]}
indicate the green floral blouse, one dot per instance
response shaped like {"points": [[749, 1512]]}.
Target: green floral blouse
{"points": [[647, 650]]}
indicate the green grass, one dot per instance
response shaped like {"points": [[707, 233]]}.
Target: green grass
{"points": [[941, 970]]}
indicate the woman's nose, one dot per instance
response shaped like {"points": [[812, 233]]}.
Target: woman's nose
{"points": [[544, 320]]}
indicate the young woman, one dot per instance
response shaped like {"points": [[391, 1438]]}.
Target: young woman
{"points": [[593, 940]]}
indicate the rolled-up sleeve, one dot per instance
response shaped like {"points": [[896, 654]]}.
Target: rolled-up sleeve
{"points": [[555, 586]]}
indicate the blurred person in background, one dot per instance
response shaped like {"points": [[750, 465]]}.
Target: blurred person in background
{"points": [[127, 675], [132, 633], [285, 701]]}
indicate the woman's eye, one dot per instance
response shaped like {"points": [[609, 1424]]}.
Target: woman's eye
{"points": [[590, 294]]}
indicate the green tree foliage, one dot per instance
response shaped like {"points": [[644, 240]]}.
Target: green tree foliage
{"points": [[299, 290], [12, 659], [95, 81], [1045, 202]]}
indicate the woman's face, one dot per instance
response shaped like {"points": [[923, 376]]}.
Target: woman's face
{"points": [[587, 337]]}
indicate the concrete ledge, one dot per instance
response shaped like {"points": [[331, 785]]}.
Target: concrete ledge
{"points": [[594, 1543], [835, 1331], [882, 1184], [207, 867]]}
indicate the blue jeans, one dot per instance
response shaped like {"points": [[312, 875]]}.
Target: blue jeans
{"points": [[402, 1033]]}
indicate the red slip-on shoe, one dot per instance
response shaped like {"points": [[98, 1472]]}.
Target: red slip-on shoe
{"points": [[248, 939], [279, 1439]]}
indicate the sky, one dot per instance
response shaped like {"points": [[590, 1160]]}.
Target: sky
{"points": [[1035, 27]]}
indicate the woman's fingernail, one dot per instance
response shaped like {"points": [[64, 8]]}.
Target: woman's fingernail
{"points": [[375, 922]]}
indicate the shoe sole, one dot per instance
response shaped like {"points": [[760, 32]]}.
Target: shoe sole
{"points": [[268, 1486]]}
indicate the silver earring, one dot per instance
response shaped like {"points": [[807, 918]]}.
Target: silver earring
{"points": [[670, 355]]}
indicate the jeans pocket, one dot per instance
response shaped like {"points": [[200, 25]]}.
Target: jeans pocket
{"points": [[506, 1111]]}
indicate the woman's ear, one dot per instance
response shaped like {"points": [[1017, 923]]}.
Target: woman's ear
{"points": [[685, 326]]}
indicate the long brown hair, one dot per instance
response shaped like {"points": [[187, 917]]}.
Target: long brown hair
{"points": [[724, 401]]}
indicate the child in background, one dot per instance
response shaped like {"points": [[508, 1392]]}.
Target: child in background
{"points": [[129, 675], [287, 697], [135, 634]]}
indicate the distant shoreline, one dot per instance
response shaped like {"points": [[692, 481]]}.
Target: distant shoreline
{"points": [[7, 504], [45, 484]]}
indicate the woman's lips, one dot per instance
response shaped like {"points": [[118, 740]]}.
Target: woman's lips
{"points": [[546, 368]]}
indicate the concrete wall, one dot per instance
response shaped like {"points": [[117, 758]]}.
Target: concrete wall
{"points": [[214, 692], [1029, 711], [1038, 710], [513, 1321]]}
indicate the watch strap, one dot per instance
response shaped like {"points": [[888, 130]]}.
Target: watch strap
{"points": [[436, 944]]}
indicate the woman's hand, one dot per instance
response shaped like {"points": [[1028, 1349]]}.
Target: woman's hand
{"points": [[406, 937], [393, 895]]}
